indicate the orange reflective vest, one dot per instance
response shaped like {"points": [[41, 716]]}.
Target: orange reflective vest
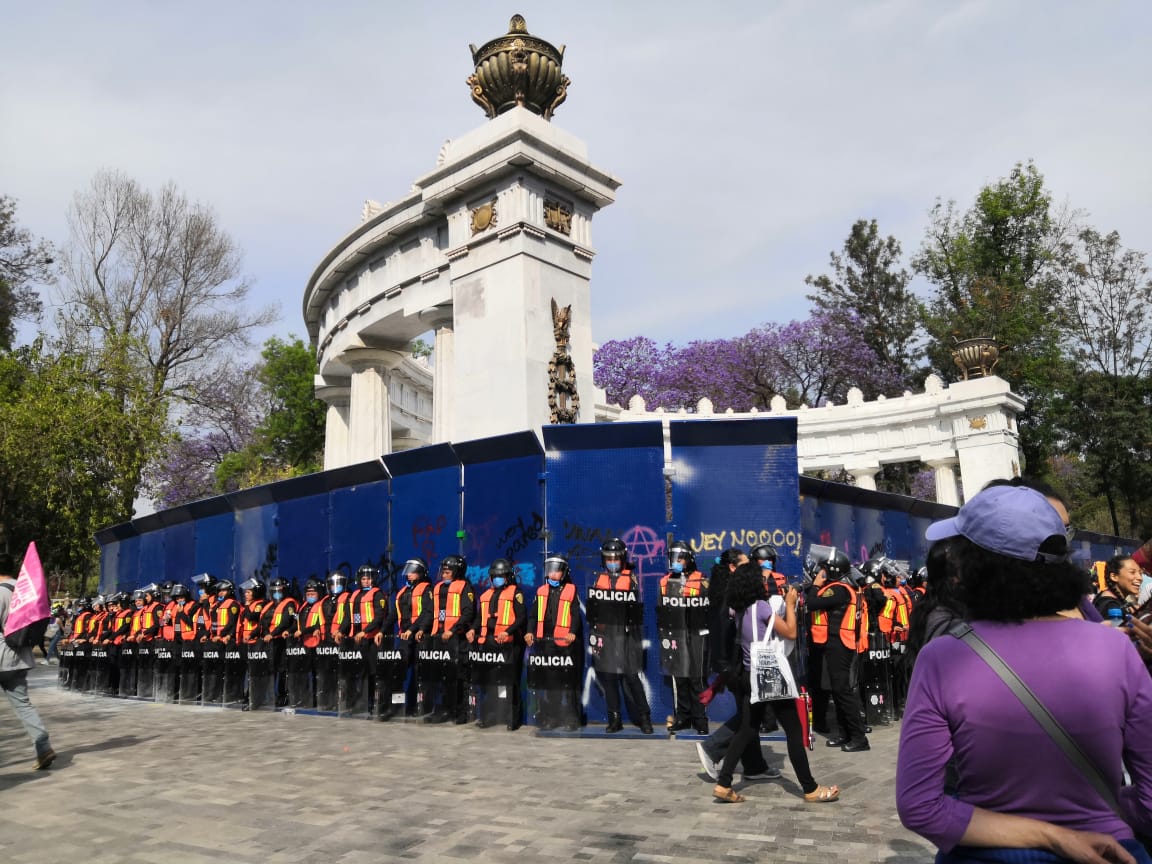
{"points": [[851, 628], [363, 608], [80, 625], [96, 626], [250, 622], [893, 618], [280, 613], [168, 620], [445, 619], [693, 584], [224, 618], [148, 623], [314, 622], [623, 582], [417, 605], [505, 610], [562, 630], [189, 620], [336, 625], [123, 626]]}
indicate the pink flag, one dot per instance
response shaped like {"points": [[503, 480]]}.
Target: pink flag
{"points": [[29, 611]]}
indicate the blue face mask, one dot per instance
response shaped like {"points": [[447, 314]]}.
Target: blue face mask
{"points": [[613, 566], [765, 565], [339, 589], [201, 592], [499, 581], [554, 583], [677, 567], [277, 595], [311, 600]]}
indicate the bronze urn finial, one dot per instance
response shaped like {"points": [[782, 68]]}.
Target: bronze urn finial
{"points": [[518, 69]]}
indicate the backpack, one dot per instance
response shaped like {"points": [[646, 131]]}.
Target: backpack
{"points": [[25, 636]]}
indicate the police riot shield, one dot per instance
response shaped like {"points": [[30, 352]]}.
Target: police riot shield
{"points": [[127, 662], [112, 686], [145, 670], [389, 669], [167, 663], [433, 667], [350, 684], [212, 673], [64, 672], [326, 661], [555, 675], [235, 671], [189, 691], [876, 680], [261, 680], [298, 660], [97, 669], [616, 630], [494, 696], [682, 628], [901, 675], [414, 696], [78, 680]]}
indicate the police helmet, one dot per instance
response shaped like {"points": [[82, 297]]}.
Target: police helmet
{"points": [[166, 588], [370, 571], [151, 588], [314, 584], [764, 552], [556, 565], [120, 597], [138, 596], [205, 582], [680, 552], [256, 586], [836, 564], [456, 564], [501, 568], [224, 586], [918, 579], [613, 550], [99, 600], [857, 577], [179, 592], [417, 566], [337, 581], [279, 584], [871, 570]]}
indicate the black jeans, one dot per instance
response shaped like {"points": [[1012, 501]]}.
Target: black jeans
{"points": [[751, 716]]}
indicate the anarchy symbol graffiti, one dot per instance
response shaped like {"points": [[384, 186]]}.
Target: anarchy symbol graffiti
{"points": [[645, 547]]}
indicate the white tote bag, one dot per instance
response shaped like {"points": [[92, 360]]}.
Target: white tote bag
{"points": [[769, 669]]}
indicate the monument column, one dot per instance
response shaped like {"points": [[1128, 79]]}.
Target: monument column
{"points": [[336, 395], [370, 408], [947, 490], [439, 318], [865, 477]]}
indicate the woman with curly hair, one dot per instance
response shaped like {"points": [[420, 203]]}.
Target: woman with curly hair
{"points": [[1019, 797], [753, 613]]}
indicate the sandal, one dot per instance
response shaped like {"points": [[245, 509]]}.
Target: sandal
{"points": [[823, 795], [727, 794]]}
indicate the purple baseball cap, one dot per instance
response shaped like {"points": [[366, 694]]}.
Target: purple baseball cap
{"points": [[1009, 520]]}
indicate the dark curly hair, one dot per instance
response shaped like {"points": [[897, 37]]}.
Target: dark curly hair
{"points": [[996, 587], [745, 587]]}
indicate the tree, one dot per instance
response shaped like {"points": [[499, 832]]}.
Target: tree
{"points": [[629, 367], [868, 284], [1105, 415], [155, 272], [66, 444], [997, 272], [23, 262]]}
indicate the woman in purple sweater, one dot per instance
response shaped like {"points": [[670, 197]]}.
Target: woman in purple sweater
{"points": [[1019, 797]]}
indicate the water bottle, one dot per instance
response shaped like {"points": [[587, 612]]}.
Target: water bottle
{"points": [[1115, 617]]}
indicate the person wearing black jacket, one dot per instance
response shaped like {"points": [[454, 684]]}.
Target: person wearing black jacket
{"points": [[373, 620], [444, 649], [496, 655], [413, 621], [555, 634]]}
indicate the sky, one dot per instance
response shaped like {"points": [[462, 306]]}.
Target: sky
{"points": [[748, 136]]}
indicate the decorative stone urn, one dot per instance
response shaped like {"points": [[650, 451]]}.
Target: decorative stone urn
{"points": [[518, 69], [976, 357]]}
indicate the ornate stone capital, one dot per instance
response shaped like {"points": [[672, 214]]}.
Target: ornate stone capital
{"points": [[359, 359]]}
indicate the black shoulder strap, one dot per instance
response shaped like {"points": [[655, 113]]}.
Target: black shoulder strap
{"points": [[963, 630]]}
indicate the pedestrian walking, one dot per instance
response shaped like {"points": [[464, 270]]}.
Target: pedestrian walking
{"points": [[14, 666]]}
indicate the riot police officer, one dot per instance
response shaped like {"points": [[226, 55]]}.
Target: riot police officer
{"points": [[555, 635], [766, 556], [446, 649], [250, 640], [372, 618], [147, 632], [682, 623], [303, 665], [616, 634], [277, 626], [837, 635], [414, 618], [337, 624], [225, 615], [496, 656]]}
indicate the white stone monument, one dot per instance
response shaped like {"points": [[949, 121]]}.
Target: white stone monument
{"points": [[492, 250]]}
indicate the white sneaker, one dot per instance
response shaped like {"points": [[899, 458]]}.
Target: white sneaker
{"points": [[768, 773], [712, 769]]}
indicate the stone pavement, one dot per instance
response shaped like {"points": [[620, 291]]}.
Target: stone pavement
{"points": [[140, 782]]}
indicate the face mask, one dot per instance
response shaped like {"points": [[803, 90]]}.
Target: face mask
{"points": [[765, 565], [554, 583], [339, 589], [277, 595], [311, 599], [677, 566], [201, 593], [446, 576], [613, 566], [499, 581]]}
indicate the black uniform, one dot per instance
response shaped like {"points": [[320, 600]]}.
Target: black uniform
{"points": [[555, 664], [833, 668], [615, 637]]}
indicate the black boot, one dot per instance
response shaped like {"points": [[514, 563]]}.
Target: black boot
{"points": [[645, 725], [615, 724]]}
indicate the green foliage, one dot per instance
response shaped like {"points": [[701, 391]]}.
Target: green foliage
{"points": [[997, 272], [73, 430], [420, 348], [23, 261]]}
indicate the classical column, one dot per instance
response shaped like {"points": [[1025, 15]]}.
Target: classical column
{"points": [[370, 409], [865, 477], [947, 490], [439, 318], [336, 395]]}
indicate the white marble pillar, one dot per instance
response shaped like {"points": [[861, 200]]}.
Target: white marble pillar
{"points": [[947, 490], [865, 477], [370, 408], [335, 394], [439, 318]]}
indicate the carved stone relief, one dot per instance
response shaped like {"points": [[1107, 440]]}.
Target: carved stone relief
{"points": [[563, 400]]}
